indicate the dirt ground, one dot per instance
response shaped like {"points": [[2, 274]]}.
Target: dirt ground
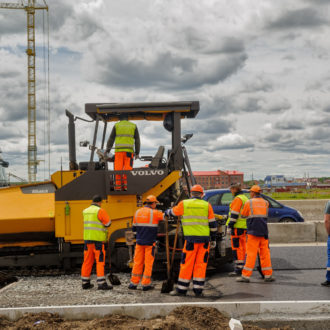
{"points": [[311, 209], [182, 318]]}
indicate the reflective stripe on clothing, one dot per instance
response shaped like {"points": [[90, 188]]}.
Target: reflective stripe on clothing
{"points": [[195, 217], [146, 224], [94, 229], [195, 223], [124, 140]]}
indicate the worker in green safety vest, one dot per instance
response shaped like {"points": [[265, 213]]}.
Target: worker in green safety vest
{"points": [[96, 223], [125, 136], [237, 226], [199, 230]]}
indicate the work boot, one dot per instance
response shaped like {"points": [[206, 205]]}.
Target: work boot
{"points": [[234, 274], [132, 286], [87, 285], [326, 283], [269, 279], [242, 279], [177, 294], [104, 286], [147, 288], [199, 294]]}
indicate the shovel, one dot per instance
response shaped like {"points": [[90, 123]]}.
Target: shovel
{"points": [[167, 285], [114, 280]]}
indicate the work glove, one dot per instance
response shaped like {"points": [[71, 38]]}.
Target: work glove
{"points": [[231, 224], [225, 217], [213, 244], [168, 213]]}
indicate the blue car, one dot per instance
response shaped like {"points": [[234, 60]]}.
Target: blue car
{"points": [[221, 198]]}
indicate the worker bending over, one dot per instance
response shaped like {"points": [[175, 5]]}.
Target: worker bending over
{"points": [[237, 225], [145, 226], [96, 222], [199, 226], [256, 211], [125, 136]]}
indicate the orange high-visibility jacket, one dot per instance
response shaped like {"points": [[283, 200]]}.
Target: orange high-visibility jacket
{"points": [[256, 211]]}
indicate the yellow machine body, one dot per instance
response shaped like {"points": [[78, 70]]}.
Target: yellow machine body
{"points": [[27, 213], [121, 209]]}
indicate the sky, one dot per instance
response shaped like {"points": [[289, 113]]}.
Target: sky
{"points": [[260, 70]]}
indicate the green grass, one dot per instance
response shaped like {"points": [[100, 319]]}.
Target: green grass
{"points": [[302, 194]]}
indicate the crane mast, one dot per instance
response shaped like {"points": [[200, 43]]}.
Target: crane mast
{"points": [[30, 7]]}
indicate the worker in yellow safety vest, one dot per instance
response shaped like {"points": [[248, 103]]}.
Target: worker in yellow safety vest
{"points": [[237, 227], [125, 136], [199, 230], [96, 223]]}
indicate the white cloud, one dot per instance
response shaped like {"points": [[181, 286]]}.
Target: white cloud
{"points": [[258, 68]]}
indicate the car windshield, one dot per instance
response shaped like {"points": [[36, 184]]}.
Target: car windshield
{"points": [[227, 198]]}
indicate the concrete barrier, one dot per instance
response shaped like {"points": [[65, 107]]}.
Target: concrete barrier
{"points": [[272, 310], [304, 232], [321, 234]]}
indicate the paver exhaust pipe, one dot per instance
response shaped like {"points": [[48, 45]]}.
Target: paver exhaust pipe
{"points": [[72, 142]]}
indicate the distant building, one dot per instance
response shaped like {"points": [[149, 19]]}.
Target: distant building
{"points": [[218, 179], [271, 179], [281, 183]]}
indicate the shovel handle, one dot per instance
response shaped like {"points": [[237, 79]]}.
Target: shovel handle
{"points": [[167, 248], [175, 241]]}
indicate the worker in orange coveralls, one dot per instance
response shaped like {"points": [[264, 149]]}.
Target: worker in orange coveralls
{"points": [[256, 211], [125, 136], [96, 222], [199, 227], [145, 227]]}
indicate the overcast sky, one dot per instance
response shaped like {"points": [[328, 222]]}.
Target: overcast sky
{"points": [[260, 69]]}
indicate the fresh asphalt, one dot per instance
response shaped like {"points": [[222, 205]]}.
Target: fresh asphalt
{"points": [[298, 269]]}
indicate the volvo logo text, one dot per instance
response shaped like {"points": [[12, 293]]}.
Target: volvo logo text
{"points": [[152, 172]]}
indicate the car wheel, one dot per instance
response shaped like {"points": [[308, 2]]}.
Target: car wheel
{"points": [[286, 220]]}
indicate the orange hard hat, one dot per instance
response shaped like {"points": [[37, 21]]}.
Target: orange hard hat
{"points": [[197, 188], [255, 188], [151, 199]]}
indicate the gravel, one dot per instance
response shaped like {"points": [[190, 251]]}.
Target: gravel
{"points": [[66, 290]]}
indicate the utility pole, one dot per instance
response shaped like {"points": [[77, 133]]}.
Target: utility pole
{"points": [[30, 7]]}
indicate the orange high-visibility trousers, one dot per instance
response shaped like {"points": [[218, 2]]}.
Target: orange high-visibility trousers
{"points": [[193, 264], [238, 247], [144, 257], [92, 252], [123, 162], [255, 244]]}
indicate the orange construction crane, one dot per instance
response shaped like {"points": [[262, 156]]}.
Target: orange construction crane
{"points": [[30, 6]]}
